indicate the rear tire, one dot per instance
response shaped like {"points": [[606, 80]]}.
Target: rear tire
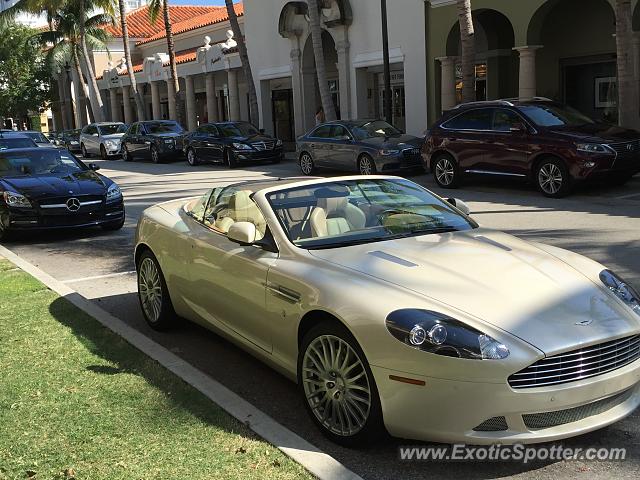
{"points": [[337, 386], [552, 178], [307, 166], [155, 156], [230, 160], [126, 156], [192, 158], [445, 171], [153, 294]]}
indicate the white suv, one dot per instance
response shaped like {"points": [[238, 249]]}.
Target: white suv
{"points": [[102, 139]]}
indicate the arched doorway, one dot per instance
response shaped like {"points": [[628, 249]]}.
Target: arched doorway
{"points": [[311, 92], [577, 61], [496, 65]]}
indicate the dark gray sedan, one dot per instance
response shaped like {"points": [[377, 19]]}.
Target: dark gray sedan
{"points": [[366, 146]]}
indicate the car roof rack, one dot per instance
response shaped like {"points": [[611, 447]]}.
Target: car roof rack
{"points": [[505, 102]]}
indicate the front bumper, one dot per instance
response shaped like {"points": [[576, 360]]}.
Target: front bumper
{"points": [[452, 411], [277, 154], [13, 219], [604, 165], [113, 150]]}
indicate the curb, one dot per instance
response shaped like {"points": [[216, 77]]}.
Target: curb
{"points": [[298, 449]]}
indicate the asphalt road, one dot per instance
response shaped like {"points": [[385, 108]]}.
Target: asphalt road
{"points": [[597, 221]]}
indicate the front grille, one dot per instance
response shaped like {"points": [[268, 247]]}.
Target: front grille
{"points": [[626, 150], [495, 424], [575, 414], [578, 364], [266, 145], [412, 157], [63, 200]]}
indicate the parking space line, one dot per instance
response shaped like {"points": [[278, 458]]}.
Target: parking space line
{"points": [[623, 197], [99, 277]]}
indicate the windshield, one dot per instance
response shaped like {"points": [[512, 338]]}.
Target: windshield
{"points": [[352, 212], [553, 115], [163, 127], [16, 142], [112, 129], [237, 129], [37, 137], [38, 162], [377, 128]]}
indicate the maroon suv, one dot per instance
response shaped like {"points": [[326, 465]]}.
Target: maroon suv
{"points": [[551, 144]]}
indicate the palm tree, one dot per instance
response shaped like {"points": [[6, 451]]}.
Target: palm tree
{"points": [[155, 6], [318, 52], [246, 66], [127, 55], [63, 43], [467, 42], [627, 103]]}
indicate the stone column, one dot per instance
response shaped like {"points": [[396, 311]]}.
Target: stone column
{"points": [[192, 121], [126, 104], [212, 105], [234, 94], [155, 102], [171, 100], [447, 82], [115, 105], [344, 77], [296, 81], [527, 78]]}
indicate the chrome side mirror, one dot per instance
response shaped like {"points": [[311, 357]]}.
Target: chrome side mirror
{"points": [[243, 233], [460, 205]]}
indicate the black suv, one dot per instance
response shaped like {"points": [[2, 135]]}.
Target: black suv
{"points": [[549, 143]]}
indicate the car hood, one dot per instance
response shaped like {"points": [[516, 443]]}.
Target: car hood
{"points": [[37, 187], [597, 133], [498, 279], [113, 136], [400, 141]]}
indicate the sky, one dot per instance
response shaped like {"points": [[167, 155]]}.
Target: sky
{"points": [[196, 2]]}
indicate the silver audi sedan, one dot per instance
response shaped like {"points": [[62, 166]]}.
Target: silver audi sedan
{"points": [[394, 310], [364, 146]]}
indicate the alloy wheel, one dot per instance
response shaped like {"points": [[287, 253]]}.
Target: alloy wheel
{"points": [[445, 171], [550, 178], [365, 165], [191, 157], [154, 155], [306, 164], [336, 385], [150, 289]]}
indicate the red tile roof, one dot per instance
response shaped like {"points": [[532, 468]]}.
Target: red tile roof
{"points": [[210, 18], [140, 25]]}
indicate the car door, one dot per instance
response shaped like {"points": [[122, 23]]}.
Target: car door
{"points": [[129, 140], [214, 144], [228, 280], [342, 152], [319, 142], [465, 136], [508, 146], [143, 141], [92, 140], [197, 141]]}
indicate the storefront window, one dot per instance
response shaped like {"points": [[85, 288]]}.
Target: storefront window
{"points": [[481, 82]]}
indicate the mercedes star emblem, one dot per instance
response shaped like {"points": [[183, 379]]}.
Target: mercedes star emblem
{"points": [[73, 204]]}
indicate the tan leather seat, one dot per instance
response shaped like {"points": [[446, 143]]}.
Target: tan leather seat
{"points": [[334, 216], [243, 209]]}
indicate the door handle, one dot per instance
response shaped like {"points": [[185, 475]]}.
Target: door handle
{"points": [[313, 145]]}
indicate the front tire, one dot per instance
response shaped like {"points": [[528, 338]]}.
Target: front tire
{"points": [[126, 156], [230, 160], [153, 294], [103, 153], [307, 166], [113, 226], [84, 152], [446, 172], [155, 155], [192, 158], [366, 165], [338, 387], [552, 178]]}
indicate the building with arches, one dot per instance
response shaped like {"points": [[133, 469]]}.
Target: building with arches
{"points": [[560, 49]]}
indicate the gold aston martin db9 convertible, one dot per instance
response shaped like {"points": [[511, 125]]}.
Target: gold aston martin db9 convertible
{"points": [[392, 309]]}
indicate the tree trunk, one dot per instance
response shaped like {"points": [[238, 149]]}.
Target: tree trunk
{"points": [[246, 66], [95, 98], [172, 61], [318, 52], [627, 106], [467, 41], [80, 90], [127, 55]]}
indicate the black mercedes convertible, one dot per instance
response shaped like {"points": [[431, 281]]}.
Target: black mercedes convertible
{"points": [[49, 188]]}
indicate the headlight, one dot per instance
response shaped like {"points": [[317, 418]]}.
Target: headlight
{"points": [[113, 193], [242, 146], [14, 199], [386, 152], [621, 289], [278, 143], [112, 143], [437, 333], [592, 148]]}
